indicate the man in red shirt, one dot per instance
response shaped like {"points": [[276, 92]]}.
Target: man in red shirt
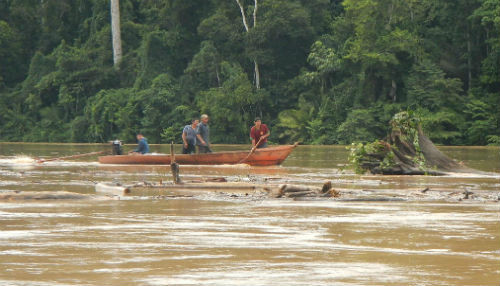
{"points": [[259, 133]]}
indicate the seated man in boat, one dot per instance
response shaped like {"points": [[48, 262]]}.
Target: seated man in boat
{"points": [[189, 137], [203, 136], [143, 146], [259, 133]]}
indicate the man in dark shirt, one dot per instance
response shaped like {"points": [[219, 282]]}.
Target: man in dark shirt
{"points": [[143, 146], [189, 137], [259, 131], [203, 136]]}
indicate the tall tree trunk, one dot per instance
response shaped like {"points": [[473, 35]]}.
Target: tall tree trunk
{"points": [[256, 74], [217, 75], [115, 31], [392, 93], [256, 65], [255, 7], [247, 28], [469, 61]]}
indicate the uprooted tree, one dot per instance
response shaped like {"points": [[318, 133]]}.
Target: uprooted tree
{"points": [[406, 151]]}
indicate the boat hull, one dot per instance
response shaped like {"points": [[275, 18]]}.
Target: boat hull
{"points": [[261, 157]]}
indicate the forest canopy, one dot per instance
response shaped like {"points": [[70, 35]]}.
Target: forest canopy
{"points": [[316, 71]]}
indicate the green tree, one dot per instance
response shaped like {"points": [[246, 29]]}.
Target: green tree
{"points": [[233, 106], [10, 47]]}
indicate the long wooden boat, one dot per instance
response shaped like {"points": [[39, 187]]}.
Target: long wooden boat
{"points": [[260, 157]]}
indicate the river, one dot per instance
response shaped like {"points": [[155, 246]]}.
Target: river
{"points": [[216, 240]]}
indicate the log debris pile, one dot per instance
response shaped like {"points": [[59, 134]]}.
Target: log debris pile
{"points": [[407, 151], [295, 191]]}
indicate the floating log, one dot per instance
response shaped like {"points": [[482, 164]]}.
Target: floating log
{"points": [[111, 189], [302, 194], [172, 190], [198, 186], [59, 195], [293, 191], [296, 189]]}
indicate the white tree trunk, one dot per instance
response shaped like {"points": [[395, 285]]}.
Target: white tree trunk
{"points": [[255, 13], [256, 65], [245, 23], [243, 16], [115, 31]]}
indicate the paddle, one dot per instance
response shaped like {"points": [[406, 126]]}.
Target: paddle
{"points": [[251, 151], [70, 157]]}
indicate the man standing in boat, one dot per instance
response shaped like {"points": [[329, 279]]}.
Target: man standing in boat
{"points": [[259, 133], [189, 137], [203, 136], [143, 146]]}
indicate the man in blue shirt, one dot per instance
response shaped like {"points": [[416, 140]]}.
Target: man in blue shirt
{"points": [[143, 146], [189, 137]]}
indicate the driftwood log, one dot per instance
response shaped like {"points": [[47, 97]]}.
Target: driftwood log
{"points": [[295, 191]]}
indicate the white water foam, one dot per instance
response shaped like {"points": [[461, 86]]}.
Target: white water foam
{"points": [[18, 159]]}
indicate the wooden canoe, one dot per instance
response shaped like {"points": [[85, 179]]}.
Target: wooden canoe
{"points": [[260, 157]]}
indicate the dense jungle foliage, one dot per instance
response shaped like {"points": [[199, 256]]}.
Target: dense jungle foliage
{"points": [[330, 71]]}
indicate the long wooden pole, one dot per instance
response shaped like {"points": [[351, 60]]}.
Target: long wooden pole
{"points": [[172, 154], [70, 157], [251, 151], [174, 167]]}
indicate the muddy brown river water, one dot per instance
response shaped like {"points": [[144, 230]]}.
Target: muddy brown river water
{"points": [[247, 240]]}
